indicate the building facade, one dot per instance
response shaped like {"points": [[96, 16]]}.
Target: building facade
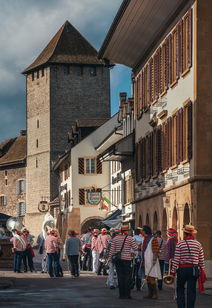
{"points": [[66, 82], [171, 65], [84, 181], [13, 176]]}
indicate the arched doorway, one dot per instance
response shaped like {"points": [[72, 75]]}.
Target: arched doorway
{"points": [[147, 219], [164, 223], [174, 218], [186, 215], [155, 222], [92, 222], [140, 221]]}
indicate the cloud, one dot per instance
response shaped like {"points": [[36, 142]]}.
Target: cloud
{"points": [[26, 28]]}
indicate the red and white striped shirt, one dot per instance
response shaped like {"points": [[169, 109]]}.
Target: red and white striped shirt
{"points": [[128, 245], [184, 257]]}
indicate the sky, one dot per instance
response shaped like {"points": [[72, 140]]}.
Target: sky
{"points": [[26, 28]]}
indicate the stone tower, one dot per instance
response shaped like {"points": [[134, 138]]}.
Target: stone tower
{"points": [[65, 83]]}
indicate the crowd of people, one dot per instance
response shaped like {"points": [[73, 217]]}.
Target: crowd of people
{"points": [[127, 260]]}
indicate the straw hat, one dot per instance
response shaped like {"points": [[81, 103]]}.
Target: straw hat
{"points": [[189, 229]]}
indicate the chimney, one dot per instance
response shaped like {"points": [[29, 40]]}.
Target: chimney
{"points": [[23, 132]]}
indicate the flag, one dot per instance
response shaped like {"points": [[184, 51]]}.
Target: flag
{"points": [[104, 204]]}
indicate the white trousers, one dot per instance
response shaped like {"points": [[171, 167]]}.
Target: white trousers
{"points": [[112, 279], [95, 257]]}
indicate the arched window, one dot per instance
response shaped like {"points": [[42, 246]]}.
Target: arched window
{"points": [[174, 218], [186, 216], [155, 222], [147, 219], [164, 223]]}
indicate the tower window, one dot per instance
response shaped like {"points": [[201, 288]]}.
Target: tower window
{"points": [[37, 74], [79, 70], [33, 76], [5, 172], [36, 163], [42, 72], [38, 124], [66, 70], [36, 143], [92, 71], [6, 182]]}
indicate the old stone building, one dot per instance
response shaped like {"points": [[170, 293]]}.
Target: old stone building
{"points": [[167, 44], [66, 82], [13, 176]]}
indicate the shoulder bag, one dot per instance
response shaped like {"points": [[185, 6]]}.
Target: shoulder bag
{"points": [[117, 256]]}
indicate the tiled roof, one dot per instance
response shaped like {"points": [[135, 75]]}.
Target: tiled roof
{"points": [[67, 46], [13, 150]]}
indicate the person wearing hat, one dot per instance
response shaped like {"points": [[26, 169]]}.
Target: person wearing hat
{"points": [[112, 281], [86, 241], [172, 239], [28, 253], [51, 246], [19, 245], [123, 244], [188, 258], [102, 246], [150, 263], [95, 252], [72, 251]]}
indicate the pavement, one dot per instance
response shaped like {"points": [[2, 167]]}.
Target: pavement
{"points": [[87, 291]]}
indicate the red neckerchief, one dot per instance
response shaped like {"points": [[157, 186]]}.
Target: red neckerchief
{"points": [[189, 237]]}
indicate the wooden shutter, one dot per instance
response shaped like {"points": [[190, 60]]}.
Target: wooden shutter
{"points": [[151, 80], [98, 166], [81, 196], [138, 162], [159, 71], [158, 149], [190, 130], [142, 158], [167, 64], [81, 165], [169, 142], [181, 135], [190, 38], [178, 138], [179, 49], [170, 59]]}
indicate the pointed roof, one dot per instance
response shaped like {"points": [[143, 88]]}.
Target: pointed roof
{"points": [[67, 46]]}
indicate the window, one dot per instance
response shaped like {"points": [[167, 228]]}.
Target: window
{"points": [[33, 76], [187, 41], [36, 143], [79, 70], [37, 74], [36, 163], [6, 182], [66, 69], [3, 200], [92, 71], [174, 140], [42, 72], [38, 124], [5, 172], [21, 209], [20, 187], [90, 164]]}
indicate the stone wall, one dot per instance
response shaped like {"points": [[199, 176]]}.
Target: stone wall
{"points": [[9, 190]]}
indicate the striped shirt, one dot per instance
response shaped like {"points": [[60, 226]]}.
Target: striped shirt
{"points": [[183, 256], [128, 245]]}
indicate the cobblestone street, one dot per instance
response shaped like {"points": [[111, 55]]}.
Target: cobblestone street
{"points": [[38, 290]]}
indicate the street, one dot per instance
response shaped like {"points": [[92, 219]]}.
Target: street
{"points": [[89, 290]]}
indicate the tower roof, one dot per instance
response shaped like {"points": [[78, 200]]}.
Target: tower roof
{"points": [[67, 46]]}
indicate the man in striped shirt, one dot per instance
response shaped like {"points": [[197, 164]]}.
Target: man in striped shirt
{"points": [[188, 256], [124, 243]]}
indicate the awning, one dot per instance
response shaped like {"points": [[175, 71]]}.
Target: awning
{"points": [[114, 220]]}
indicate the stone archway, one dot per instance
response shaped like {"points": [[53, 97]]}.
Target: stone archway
{"points": [[174, 218], [147, 219], [140, 221], [92, 222], [164, 223], [186, 215], [155, 222]]}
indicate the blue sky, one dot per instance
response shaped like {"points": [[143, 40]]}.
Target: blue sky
{"points": [[26, 28]]}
